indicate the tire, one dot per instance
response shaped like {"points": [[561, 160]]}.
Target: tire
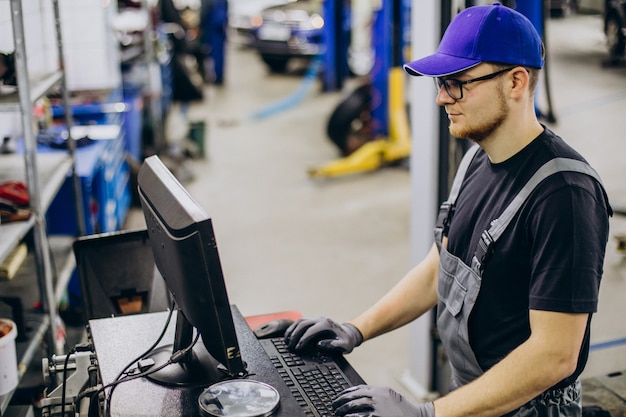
{"points": [[275, 63], [349, 125], [615, 38]]}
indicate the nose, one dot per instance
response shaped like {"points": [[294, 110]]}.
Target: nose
{"points": [[443, 97]]}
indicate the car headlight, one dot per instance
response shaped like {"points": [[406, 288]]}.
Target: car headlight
{"points": [[313, 22], [256, 21], [317, 21]]}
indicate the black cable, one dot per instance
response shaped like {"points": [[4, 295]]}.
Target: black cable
{"points": [[176, 357], [147, 351], [64, 381], [154, 345], [97, 389]]}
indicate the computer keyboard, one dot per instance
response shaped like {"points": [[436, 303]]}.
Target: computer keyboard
{"points": [[314, 381]]}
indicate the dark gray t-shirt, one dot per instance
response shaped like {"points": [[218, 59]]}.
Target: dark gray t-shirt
{"points": [[549, 258]]}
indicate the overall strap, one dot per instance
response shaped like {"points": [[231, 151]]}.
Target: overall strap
{"points": [[443, 220], [499, 225]]}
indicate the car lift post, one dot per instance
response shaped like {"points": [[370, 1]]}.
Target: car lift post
{"points": [[537, 11], [392, 139], [335, 55]]}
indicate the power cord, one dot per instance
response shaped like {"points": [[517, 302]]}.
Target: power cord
{"points": [[77, 348], [97, 389], [64, 381], [176, 357]]}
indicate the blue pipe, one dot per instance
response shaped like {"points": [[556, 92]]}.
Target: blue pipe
{"points": [[307, 83], [607, 344]]}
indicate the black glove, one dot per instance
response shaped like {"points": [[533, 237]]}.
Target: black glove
{"points": [[327, 334], [366, 401]]}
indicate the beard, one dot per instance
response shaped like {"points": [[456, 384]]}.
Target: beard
{"points": [[479, 131]]}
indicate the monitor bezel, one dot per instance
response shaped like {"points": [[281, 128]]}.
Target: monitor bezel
{"points": [[174, 218]]}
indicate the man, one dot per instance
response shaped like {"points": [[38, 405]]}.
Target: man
{"points": [[214, 24], [519, 245]]}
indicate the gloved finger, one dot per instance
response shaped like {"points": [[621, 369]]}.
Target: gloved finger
{"points": [[291, 329], [296, 330], [321, 328], [334, 345], [359, 405], [345, 337], [349, 394]]}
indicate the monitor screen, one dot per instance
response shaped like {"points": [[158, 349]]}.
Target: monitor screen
{"points": [[117, 274], [185, 252]]}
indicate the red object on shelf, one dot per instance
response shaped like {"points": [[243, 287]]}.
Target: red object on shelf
{"points": [[15, 192], [256, 321]]}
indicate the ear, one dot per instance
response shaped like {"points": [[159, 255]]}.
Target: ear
{"points": [[520, 82]]}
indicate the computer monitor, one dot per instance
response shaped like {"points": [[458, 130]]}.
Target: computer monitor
{"points": [[185, 252], [117, 274]]}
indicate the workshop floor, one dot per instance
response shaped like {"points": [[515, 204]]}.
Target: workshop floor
{"points": [[333, 247]]}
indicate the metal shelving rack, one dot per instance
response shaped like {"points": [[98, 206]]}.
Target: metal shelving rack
{"points": [[44, 175]]}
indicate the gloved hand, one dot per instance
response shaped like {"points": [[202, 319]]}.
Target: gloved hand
{"points": [[328, 335], [367, 401]]}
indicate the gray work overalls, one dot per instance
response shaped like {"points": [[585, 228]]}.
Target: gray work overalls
{"points": [[459, 285]]}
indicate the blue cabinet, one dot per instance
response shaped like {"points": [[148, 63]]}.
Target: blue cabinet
{"points": [[104, 175]]}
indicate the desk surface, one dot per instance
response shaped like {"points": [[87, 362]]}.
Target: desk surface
{"points": [[117, 341]]}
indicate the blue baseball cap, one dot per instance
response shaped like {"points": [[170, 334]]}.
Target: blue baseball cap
{"points": [[491, 33]]}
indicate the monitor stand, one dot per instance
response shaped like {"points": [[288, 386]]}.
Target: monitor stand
{"points": [[193, 368], [200, 369]]}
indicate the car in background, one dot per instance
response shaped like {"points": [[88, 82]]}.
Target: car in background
{"points": [[615, 28], [287, 31], [245, 15]]}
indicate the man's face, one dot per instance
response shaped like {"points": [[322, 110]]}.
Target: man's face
{"points": [[481, 110]]}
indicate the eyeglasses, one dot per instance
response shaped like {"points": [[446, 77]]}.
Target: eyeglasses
{"points": [[454, 87]]}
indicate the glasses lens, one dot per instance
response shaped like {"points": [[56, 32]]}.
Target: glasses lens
{"points": [[452, 86], [438, 83]]}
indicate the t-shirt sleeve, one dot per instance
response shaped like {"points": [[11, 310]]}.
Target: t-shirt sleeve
{"points": [[568, 234]]}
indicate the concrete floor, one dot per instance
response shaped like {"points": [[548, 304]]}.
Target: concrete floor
{"points": [[333, 247]]}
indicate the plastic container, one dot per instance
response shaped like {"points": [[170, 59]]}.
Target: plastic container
{"points": [[197, 134], [8, 358]]}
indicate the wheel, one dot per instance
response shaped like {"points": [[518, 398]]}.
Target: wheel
{"points": [[615, 38], [275, 63], [349, 125]]}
